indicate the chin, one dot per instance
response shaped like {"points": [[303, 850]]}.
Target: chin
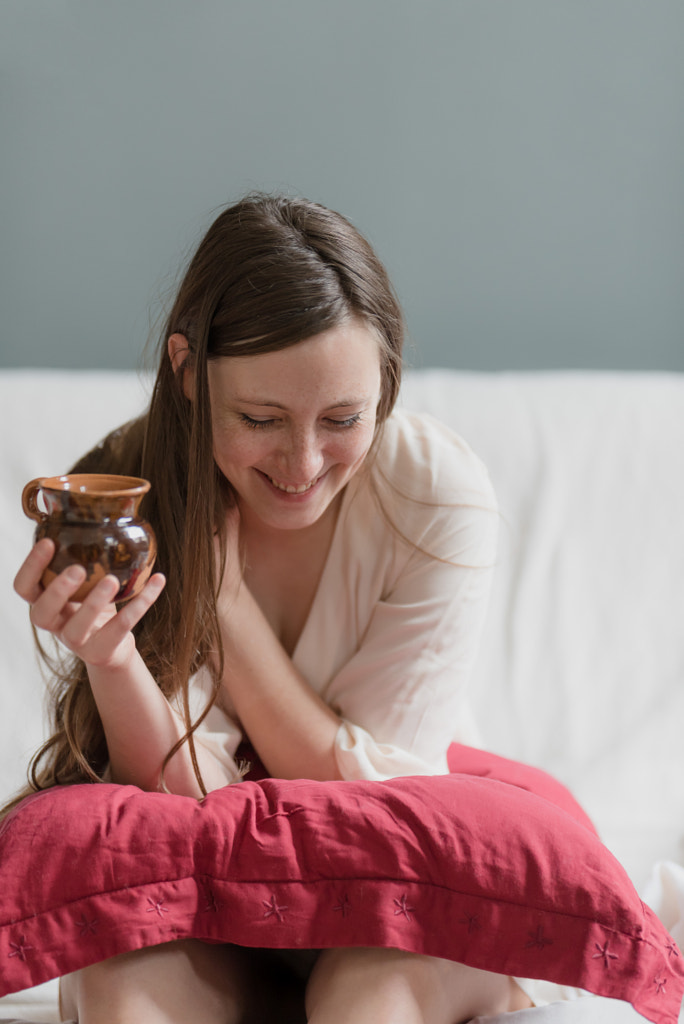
{"points": [[296, 518]]}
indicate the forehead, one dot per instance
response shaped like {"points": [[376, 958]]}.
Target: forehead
{"points": [[340, 364]]}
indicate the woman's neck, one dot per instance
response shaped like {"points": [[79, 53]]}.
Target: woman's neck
{"points": [[283, 569]]}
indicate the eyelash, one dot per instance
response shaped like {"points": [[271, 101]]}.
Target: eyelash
{"points": [[346, 424]]}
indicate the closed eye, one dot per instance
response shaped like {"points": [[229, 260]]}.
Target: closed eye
{"points": [[255, 424], [350, 421]]}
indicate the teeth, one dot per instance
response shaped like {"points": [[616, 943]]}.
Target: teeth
{"points": [[289, 489]]}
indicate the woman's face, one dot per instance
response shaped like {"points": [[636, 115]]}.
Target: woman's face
{"points": [[292, 427]]}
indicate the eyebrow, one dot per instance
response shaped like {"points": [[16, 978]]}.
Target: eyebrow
{"points": [[345, 403]]}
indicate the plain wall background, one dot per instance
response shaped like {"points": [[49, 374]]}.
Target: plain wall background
{"points": [[518, 164]]}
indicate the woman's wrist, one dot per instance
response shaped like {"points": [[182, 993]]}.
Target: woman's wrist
{"points": [[115, 670]]}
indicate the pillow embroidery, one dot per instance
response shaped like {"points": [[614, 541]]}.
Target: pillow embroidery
{"points": [[462, 866]]}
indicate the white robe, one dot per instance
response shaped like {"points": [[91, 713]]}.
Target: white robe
{"points": [[397, 617]]}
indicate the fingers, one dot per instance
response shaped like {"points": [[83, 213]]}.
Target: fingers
{"points": [[132, 612], [84, 619], [27, 581], [52, 606], [93, 629], [99, 644]]}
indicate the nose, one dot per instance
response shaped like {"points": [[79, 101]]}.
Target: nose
{"points": [[303, 459]]}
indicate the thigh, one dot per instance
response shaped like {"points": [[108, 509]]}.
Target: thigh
{"points": [[183, 981], [385, 985]]}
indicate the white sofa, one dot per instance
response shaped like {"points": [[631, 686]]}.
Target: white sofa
{"points": [[581, 669]]}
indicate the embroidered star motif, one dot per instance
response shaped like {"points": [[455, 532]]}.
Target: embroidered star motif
{"points": [[344, 906], [87, 927], [472, 921], [660, 984], [403, 908], [19, 948], [604, 954], [212, 905], [156, 907], [538, 940], [672, 949], [273, 909]]}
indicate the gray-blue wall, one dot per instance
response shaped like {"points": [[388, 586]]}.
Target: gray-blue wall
{"points": [[519, 165]]}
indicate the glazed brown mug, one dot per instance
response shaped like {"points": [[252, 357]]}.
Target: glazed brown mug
{"points": [[92, 519]]}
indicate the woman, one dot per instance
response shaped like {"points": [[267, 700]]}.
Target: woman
{"points": [[325, 566]]}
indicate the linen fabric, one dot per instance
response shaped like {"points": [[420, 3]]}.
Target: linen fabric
{"points": [[484, 764], [459, 866]]}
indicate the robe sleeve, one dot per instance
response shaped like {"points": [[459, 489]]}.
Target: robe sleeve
{"points": [[402, 696]]}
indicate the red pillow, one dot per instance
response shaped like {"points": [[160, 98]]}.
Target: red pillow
{"points": [[472, 761], [467, 868]]}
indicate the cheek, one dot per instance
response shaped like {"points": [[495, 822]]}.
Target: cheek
{"points": [[234, 451], [351, 450]]}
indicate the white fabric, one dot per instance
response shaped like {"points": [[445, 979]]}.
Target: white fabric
{"points": [[664, 894], [393, 631], [581, 669], [40, 1003], [587, 1010]]}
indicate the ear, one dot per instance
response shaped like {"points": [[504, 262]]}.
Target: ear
{"points": [[179, 350]]}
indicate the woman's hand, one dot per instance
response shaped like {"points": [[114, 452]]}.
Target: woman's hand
{"points": [[92, 629]]}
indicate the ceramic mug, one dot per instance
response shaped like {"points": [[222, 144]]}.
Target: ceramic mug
{"points": [[92, 519]]}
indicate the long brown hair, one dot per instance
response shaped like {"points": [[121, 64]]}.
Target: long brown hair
{"points": [[271, 271]]}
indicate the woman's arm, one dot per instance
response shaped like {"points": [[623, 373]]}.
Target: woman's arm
{"points": [[292, 728], [418, 649], [139, 723], [141, 727]]}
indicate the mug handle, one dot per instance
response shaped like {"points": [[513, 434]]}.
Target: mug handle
{"points": [[28, 501]]}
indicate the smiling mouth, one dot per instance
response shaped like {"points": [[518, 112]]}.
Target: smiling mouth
{"points": [[290, 488]]}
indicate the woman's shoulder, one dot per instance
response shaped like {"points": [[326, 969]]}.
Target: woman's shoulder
{"points": [[424, 460]]}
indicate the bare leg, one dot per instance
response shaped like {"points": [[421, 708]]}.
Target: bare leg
{"points": [[387, 986], [169, 984]]}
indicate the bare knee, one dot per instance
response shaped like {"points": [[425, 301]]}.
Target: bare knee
{"points": [[390, 985], [362, 984], [159, 984]]}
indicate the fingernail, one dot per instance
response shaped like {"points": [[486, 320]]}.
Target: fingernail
{"points": [[74, 573]]}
